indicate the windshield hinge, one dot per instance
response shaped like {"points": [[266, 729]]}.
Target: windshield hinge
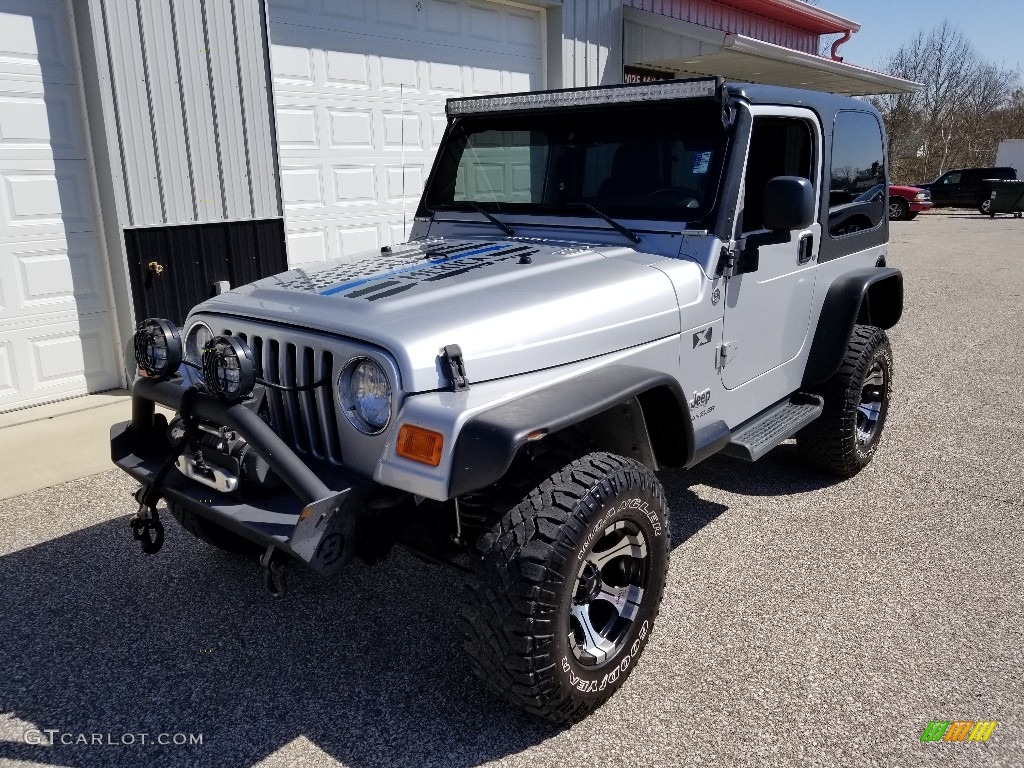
{"points": [[726, 262], [454, 367], [729, 258]]}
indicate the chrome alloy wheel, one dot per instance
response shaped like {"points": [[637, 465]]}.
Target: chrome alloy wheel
{"points": [[609, 590], [895, 211], [872, 404]]}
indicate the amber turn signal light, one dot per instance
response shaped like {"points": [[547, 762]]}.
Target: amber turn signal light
{"points": [[419, 444]]}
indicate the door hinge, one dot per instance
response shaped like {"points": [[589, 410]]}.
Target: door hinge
{"points": [[725, 352]]}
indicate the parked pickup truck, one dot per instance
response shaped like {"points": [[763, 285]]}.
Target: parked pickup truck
{"points": [[600, 284]]}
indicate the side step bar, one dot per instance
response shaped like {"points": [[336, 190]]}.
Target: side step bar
{"points": [[755, 437]]}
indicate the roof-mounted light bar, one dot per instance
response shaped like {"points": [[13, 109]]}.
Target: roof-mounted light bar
{"points": [[586, 97]]}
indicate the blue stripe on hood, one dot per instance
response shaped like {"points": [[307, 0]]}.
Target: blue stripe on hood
{"points": [[411, 268]]}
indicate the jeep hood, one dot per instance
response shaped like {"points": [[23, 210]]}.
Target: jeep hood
{"points": [[512, 306]]}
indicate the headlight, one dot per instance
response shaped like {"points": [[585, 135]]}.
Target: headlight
{"points": [[921, 196], [365, 394], [157, 348], [228, 367], [196, 339]]}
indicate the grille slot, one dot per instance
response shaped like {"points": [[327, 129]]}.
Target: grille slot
{"points": [[306, 421], [309, 422]]}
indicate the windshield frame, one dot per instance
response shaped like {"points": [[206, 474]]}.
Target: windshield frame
{"points": [[718, 133]]}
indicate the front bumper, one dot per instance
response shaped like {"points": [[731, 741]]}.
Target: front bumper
{"points": [[919, 206], [309, 520]]}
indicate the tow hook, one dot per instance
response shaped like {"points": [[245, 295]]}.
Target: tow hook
{"points": [[274, 577], [146, 526]]}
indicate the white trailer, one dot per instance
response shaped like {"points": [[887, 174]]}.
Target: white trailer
{"points": [[1011, 153]]}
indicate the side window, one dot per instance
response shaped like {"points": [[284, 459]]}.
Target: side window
{"points": [[779, 146], [858, 167], [951, 178]]}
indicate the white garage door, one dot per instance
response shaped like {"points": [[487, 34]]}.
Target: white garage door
{"points": [[360, 88], [55, 324]]}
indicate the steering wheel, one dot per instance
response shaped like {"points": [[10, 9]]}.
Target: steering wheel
{"points": [[677, 193]]}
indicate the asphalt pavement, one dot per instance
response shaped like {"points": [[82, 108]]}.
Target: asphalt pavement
{"points": [[806, 622]]}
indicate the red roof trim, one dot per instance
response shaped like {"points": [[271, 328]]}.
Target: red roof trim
{"points": [[795, 14]]}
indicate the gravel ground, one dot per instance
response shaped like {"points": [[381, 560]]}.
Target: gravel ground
{"points": [[805, 622]]}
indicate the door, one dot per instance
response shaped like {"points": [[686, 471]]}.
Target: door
{"points": [[767, 309], [359, 92], [56, 332], [945, 192]]}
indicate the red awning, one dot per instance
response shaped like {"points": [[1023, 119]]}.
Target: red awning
{"points": [[797, 14]]}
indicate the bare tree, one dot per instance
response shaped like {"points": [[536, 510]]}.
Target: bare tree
{"points": [[950, 121]]}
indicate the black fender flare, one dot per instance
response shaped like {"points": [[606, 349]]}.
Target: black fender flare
{"points": [[489, 441], [868, 296]]}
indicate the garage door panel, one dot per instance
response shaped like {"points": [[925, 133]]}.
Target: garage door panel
{"points": [[8, 377], [355, 185], [36, 200], [302, 187], [56, 356], [349, 10], [347, 69], [35, 124], [55, 324], [361, 108], [32, 41], [298, 127], [313, 241], [351, 129], [48, 275]]}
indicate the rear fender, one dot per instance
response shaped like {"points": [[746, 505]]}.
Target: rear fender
{"points": [[867, 296]]}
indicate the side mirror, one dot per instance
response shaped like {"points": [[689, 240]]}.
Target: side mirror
{"points": [[788, 203]]}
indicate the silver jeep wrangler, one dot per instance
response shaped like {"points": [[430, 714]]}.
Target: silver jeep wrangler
{"points": [[600, 283]]}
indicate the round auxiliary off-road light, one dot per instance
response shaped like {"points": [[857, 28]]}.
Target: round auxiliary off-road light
{"points": [[157, 348], [229, 369]]}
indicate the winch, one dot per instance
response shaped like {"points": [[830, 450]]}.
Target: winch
{"points": [[222, 459]]}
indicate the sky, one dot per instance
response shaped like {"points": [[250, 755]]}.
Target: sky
{"points": [[995, 27]]}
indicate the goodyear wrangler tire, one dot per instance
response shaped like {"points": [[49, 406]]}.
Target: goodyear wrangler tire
{"points": [[568, 588], [844, 438]]}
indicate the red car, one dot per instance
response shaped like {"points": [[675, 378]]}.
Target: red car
{"points": [[906, 202]]}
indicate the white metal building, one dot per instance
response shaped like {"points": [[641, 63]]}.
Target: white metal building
{"points": [[149, 147]]}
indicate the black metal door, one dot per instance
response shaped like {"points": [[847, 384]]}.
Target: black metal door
{"points": [[174, 268]]}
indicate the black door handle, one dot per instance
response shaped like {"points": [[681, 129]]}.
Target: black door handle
{"points": [[806, 248]]}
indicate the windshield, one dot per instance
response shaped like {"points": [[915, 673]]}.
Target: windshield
{"points": [[659, 162]]}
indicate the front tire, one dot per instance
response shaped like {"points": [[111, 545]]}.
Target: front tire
{"points": [[899, 210], [843, 440], [567, 591]]}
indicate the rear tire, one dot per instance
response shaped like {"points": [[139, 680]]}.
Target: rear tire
{"points": [[985, 206], [565, 596], [213, 534], [843, 440]]}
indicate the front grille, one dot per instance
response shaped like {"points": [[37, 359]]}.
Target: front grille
{"points": [[307, 420]]}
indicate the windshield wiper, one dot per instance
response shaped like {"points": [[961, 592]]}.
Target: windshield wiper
{"points": [[624, 231], [499, 224]]}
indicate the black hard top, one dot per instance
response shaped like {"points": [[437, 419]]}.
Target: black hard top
{"points": [[821, 102]]}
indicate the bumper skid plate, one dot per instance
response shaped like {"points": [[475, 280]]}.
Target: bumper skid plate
{"points": [[318, 533]]}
